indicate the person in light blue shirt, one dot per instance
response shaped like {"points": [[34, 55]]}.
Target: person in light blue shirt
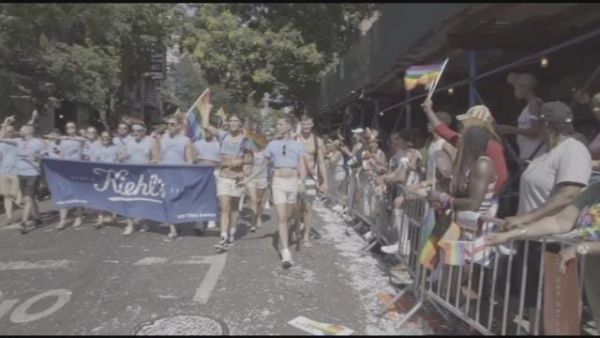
{"points": [[91, 144], [70, 148], [107, 152], [141, 149], [29, 152], [122, 137], [288, 158], [9, 181], [175, 148], [207, 152]]}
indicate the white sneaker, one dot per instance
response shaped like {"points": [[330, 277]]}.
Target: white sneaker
{"points": [[211, 225], [286, 258], [267, 205], [368, 236], [390, 249]]}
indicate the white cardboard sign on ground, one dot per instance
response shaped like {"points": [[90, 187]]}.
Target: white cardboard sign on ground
{"points": [[319, 329]]}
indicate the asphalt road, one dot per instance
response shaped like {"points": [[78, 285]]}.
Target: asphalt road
{"points": [[87, 281]]}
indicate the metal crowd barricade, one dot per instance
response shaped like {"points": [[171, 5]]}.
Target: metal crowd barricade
{"points": [[486, 298]]}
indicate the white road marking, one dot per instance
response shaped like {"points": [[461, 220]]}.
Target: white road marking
{"points": [[46, 264], [20, 315], [210, 280], [152, 261]]}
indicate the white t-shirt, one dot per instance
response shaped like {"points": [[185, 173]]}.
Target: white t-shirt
{"points": [[570, 161]]}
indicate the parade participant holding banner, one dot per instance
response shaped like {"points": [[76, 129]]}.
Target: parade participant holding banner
{"points": [[107, 152], [9, 181], [175, 148], [207, 152], [91, 145], [70, 148], [236, 151], [122, 136], [316, 179], [288, 157], [30, 151], [141, 149]]}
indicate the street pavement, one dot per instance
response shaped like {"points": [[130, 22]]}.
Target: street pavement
{"points": [[86, 281]]}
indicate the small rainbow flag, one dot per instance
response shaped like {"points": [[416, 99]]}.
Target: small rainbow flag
{"points": [[455, 252], [193, 128], [422, 75]]}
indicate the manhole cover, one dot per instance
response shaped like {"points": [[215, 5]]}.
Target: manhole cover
{"points": [[182, 325]]}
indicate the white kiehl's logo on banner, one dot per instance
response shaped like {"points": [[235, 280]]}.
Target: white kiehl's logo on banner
{"points": [[146, 188]]}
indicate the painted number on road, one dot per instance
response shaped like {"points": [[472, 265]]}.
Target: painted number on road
{"points": [[21, 313]]}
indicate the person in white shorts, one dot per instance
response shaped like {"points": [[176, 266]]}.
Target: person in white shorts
{"points": [[287, 156], [258, 186], [236, 152]]}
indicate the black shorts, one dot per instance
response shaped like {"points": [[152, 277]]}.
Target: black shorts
{"points": [[29, 185]]}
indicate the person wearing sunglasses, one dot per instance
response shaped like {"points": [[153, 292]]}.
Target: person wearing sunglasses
{"points": [[288, 157], [236, 155], [174, 148], [141, 149]]}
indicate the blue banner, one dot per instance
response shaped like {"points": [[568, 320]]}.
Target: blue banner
{"points": [[162, 193]]}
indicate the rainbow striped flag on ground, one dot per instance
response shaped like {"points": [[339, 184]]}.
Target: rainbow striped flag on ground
{"points": [[422, 75], [193, 116]]}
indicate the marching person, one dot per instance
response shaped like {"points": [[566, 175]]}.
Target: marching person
{"points": [[316, 178], [140, 149], [207, 152], [107, 152], [175, 148], [9, 181], [30, 151], [288, 157], [91, 145], [70, 148], [122, 136], [258, 186], [236, 152]]}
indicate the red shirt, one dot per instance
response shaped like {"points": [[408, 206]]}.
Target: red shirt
{"points": [[494, 150]]}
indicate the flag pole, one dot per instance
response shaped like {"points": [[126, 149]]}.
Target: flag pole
{"points": [[432, 89]]}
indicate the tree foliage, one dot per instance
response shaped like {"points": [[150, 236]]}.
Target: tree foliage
{"points": [[85, 52], [279, 48]]}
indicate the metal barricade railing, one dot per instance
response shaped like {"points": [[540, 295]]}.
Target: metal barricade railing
{"points": [[487, 298]]}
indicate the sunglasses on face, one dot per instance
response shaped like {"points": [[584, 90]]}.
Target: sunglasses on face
{"points": [[138, 130], [170, 124]]}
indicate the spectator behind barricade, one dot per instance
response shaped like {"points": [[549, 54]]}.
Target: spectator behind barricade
{"points": [[529, 139], [440, 156], [583, 217], [550, 183], [355, 155], [475, 116]]}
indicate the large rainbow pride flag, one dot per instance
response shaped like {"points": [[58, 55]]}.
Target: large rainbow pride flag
{"points": [[422, 75]]}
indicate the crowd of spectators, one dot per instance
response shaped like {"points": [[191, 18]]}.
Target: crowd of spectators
{"points": [[466, 170]]}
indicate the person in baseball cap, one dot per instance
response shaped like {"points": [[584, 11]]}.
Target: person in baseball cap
{"points": [[479, 115]]}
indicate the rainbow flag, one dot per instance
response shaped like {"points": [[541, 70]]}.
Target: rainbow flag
{"points": [[455, 252], [193, 116], [422, 75]]}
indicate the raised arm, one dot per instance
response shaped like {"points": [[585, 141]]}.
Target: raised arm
{"points": [[440, 128], [7, 122]]}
